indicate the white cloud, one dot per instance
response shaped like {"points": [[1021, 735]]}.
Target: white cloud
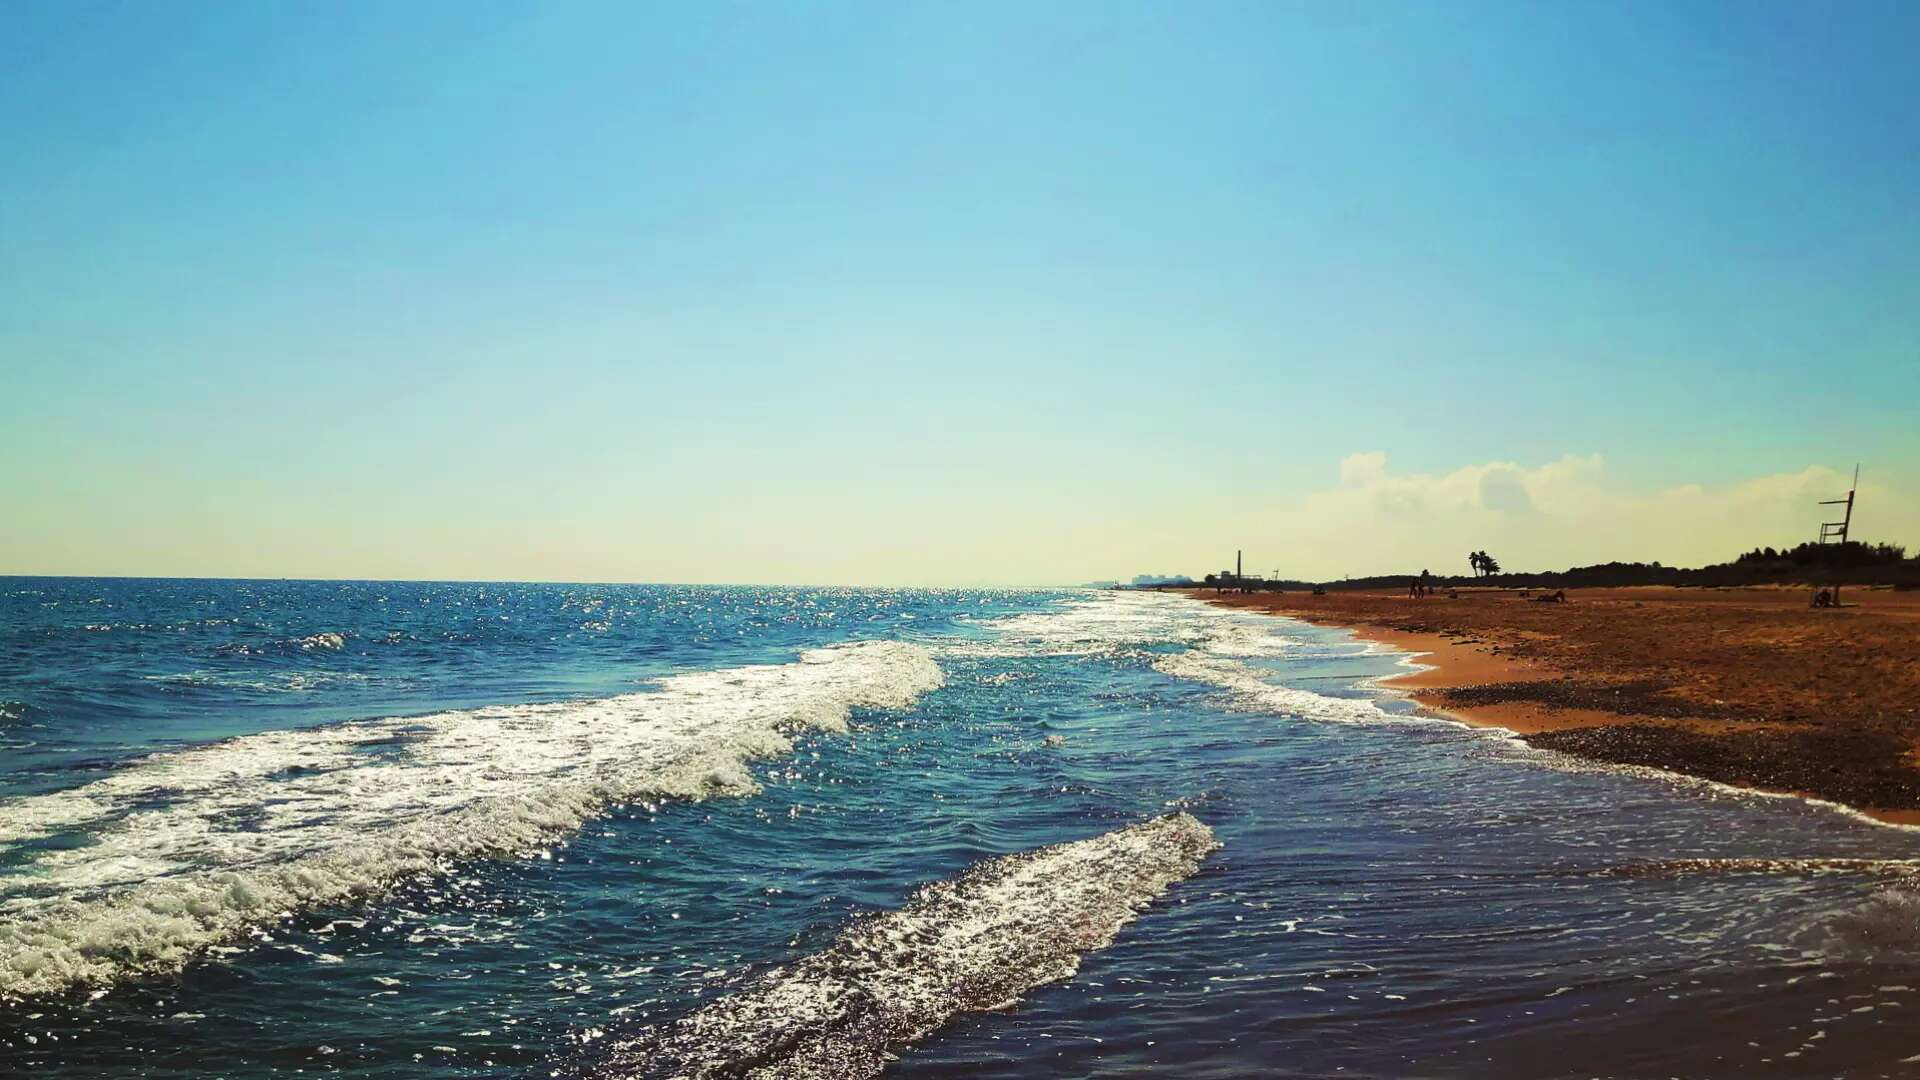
{"points": [[1359, 470], [1562, 513]]}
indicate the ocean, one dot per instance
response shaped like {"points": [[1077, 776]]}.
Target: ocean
{"points": [[388, 829]]}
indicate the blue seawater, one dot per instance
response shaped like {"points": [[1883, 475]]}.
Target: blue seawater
{"points": [[381, 829]]}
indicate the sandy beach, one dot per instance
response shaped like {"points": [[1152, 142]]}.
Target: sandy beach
{"points": [[1743, 686]]}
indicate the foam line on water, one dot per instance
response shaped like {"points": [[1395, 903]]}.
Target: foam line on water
{"points": [[1762, 865], [189, 848], [1250, 688], [1085, 627], [1213, 641], [1211, 660], [1119, 623], [974, 943]]}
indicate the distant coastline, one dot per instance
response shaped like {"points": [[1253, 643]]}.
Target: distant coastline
{"points": [[1809, 564]]}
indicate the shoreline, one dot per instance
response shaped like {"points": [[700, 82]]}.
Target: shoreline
{"points": [[1483, 674]]}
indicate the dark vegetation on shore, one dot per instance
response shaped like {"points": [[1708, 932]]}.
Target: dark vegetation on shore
{"points": [[1851, 563]]}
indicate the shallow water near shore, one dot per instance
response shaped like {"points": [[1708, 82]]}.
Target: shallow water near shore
{"points": [[441, 830]]}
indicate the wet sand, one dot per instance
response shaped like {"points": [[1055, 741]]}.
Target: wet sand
{"points": [[1743, 686]]}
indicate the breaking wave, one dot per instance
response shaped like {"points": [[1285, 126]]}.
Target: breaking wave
{"points": [[1240, 639], [325, 641], [1100, 625], [974, 943], [1120, 623], [1250, 689], [190, 848], [1886, 922], [1212, 644]]}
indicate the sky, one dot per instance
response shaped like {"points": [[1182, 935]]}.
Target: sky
{"points": [[949, 294]]}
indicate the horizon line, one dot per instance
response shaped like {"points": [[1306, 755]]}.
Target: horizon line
{"points": [[519, 581]]}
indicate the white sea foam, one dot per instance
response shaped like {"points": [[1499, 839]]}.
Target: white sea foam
{"points": [[1250, 688], [1237, 638], [326, 640], [974, 943], [1886, 922], [1102, 624], [1121, 622], [1217, 637], [1213, 642], [1787, 865], [277, 682], [191, 847]]}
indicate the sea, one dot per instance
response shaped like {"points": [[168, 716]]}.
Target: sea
{"points": [[439, 830]]}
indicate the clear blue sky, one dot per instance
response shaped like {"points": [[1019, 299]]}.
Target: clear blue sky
{"points": [[921, 292]]}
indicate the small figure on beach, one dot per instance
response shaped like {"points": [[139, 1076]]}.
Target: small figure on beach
{"points": [[1824, 598]]}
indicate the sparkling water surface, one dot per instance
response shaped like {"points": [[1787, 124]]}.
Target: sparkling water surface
{"points": [[1395, 896]]}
